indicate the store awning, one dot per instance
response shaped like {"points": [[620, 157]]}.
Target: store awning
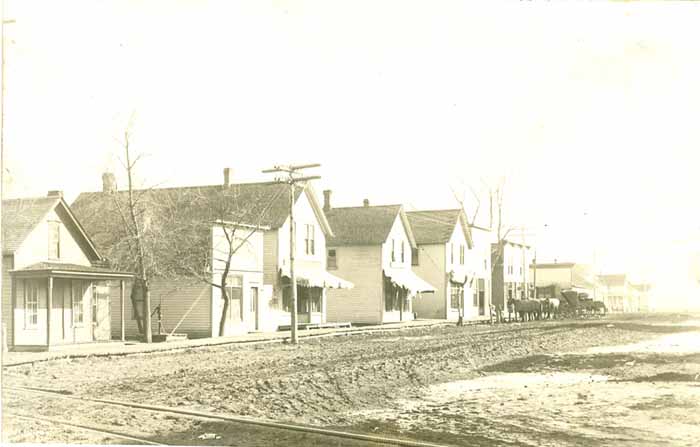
{"points": [[316, 278], [407, 279]]}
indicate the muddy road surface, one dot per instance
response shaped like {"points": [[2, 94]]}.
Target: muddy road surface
{"points": [[632, 381]]}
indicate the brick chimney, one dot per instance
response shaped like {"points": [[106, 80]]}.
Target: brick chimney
{"points": [[365, 202], [327, 200], [227, 177], [55, 193], [109, 182]]}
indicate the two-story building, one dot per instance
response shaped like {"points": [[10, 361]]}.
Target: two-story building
{"points": [[55, 290], [510, 277], [553, 277], [258, 280], [448, 259], [372, 247], [617, 293]]}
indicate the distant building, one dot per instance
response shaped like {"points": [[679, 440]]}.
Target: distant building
{"points": [[643, 296], [511, 272], [618, 294], [372, 247], [551, 278]]}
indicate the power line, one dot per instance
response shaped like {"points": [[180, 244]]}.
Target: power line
{"points": [[293, 176]]}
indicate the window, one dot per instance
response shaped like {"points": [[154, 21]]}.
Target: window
{"points": [[414, 256], [395, 298], [455, 296], [31, 304], [332, 260], [54, 240], [234, 290], [287, 298], [452, 253], [94, 303], [309, 241], [393, 250], [485, 266], [403, 252], [461, 254], [78, 295]]}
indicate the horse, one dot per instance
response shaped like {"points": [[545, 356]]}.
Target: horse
{"points": [[551, 308], [528, 310]]}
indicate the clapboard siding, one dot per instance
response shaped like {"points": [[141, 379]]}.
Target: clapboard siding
{"points": [[431, 267], [8, 330], [175, 299], [360, 265]]}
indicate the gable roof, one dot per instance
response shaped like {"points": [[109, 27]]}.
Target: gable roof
{"points": [[21, 216], [437, 226], [263, 204], [266, 203], [365, 225]]}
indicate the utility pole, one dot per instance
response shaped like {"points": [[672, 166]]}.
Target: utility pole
{"points": [[293, 176]]}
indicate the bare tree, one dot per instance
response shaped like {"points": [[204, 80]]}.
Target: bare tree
{"points": [[211, 225]]}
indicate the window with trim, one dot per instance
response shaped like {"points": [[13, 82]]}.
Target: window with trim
{"points": [[54, 240], [461, 254], [78, 295], [31, 304], [414, 256], [234, 290], [393, 250], [452, 253], [403, 252], [310, 240], [455, 296], [332, 259]]}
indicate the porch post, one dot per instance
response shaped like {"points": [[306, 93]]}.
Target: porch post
{"points": [[49, 306], [121, 304]]}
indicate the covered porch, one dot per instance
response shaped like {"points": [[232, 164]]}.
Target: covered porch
{"points": [[311, 292], [400, 286], [58, 304]]}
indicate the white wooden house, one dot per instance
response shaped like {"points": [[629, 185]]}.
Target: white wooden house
{"points": [[372, 247], [510, 277], [54, 290], [258, 281], [449, 259]]}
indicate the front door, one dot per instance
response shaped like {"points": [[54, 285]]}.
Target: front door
{"points": [[100, 314], [255, 307]]}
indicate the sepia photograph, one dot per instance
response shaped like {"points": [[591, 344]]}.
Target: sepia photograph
{"points": [[350, 223]]}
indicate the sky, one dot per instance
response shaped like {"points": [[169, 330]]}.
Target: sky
{"points": [[587, 112]]}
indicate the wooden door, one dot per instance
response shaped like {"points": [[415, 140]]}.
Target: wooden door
{"points": [[100, 314], [255, 307]]}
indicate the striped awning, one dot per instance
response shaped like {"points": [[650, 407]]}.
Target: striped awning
{"points": [[407, 279], [316, 278]]}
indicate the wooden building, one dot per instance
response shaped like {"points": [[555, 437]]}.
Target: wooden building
{"points": [[372, 247], [55, 290], [258, 281], [510, 277], [446, 258]]}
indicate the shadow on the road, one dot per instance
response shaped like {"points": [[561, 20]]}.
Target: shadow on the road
{"points": [[635, 327], [571, 362]]}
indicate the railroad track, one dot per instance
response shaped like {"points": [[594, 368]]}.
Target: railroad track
{"points": [[260, 423], [81, 427]]}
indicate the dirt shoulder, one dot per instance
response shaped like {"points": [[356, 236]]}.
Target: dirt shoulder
{"points": [[331, 381]]}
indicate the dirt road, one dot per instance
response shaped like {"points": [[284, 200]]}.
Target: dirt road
{"points": [[477, 385]]}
